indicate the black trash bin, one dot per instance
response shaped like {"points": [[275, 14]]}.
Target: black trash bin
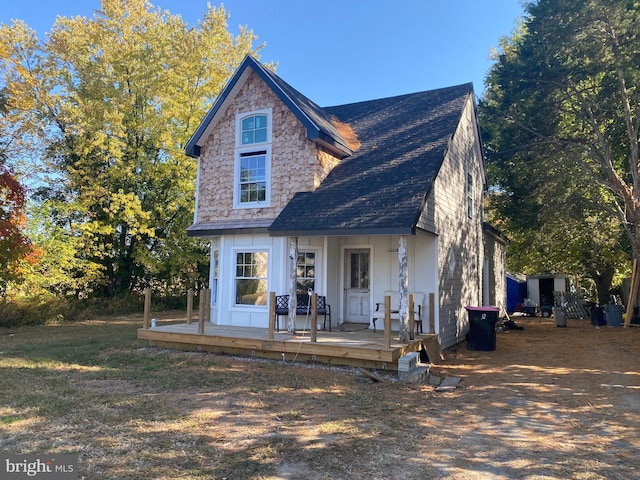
{"points": [[482, 328], [597, 315], [614, 315]]}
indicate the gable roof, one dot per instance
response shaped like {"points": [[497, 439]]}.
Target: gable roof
{"points": [[316, 121], [382, 188]]}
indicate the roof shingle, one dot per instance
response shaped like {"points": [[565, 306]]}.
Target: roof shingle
{"points": [[383, 186]]}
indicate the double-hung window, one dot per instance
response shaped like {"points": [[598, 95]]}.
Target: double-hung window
{"points": [[469, 191], [253, 159], [251, 277]]}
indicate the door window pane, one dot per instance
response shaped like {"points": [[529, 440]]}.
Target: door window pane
{"points": [[360, 270]]}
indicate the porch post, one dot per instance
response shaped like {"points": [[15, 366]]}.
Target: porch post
{"points": [[403, 287], [293, 264]]}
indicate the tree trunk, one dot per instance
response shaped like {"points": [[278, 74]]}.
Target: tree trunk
{"points": [[634, 303], [293, 280], [603, 280], [403, 287]]}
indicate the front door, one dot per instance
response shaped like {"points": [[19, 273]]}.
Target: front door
{"points": [[357, 268]]}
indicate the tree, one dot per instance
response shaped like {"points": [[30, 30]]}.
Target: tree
{"points": [[114, 99], [14, 245], [563, 93]]}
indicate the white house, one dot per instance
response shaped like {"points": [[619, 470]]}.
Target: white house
{"points": [[350, 192]]}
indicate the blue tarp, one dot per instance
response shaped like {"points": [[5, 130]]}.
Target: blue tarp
{"points": [[516, 293]]}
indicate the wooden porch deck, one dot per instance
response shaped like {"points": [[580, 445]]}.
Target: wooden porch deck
{"points": [[359, 348]]}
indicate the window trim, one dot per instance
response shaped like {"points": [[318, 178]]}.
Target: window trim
{"points": [[316, 256], [242, 116], [469, 194], [234, 296], [242, 151]]}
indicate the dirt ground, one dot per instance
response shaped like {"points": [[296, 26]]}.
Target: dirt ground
{"points": [[548, 403]]}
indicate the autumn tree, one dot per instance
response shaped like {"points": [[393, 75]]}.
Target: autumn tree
{"points": [[14, 244], [563, 95], [114, 99]]}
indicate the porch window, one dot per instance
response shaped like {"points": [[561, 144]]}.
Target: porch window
{"points": [[251, 278], [253, 159], [214, 277], [306, 272]]}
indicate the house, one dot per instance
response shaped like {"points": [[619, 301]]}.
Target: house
{"points": [[349, 201]]}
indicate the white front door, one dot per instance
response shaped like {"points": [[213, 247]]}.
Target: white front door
{"points": [[357, 268]]}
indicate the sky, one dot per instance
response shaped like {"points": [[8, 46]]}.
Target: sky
{"points": [[342, 51]]}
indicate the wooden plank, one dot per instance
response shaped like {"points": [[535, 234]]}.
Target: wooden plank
{"points": [[189, 305], [448, 384], [371, 375], [332, 349], [146, 322], [201, 301], [631, 302], [314, 317], [412, 320], [432, 314], [433, 348], [369, 352], [387, 321], [272, 315]]}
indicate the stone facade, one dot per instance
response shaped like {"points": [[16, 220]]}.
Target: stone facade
{"points": [[297, 164]]}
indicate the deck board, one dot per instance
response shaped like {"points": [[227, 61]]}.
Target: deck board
{"points": [[362, 348]]}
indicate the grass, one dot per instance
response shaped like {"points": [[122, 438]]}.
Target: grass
{"points": [[132, 412]]}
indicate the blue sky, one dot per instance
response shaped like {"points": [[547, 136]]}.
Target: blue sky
{"points": [[343, 51]]}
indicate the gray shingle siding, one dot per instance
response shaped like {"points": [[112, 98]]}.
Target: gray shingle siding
{"points": [[460, 237]]}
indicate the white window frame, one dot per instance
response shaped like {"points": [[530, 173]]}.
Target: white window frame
{"points": [[469, 194], [238, 250], [316, 257], [242, 150], [215, 275]]}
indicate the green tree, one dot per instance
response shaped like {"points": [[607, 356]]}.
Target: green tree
{"points": [[562, 101], [114, 99]]}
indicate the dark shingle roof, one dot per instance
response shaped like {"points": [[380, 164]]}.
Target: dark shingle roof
{"points": [[383, 186]]}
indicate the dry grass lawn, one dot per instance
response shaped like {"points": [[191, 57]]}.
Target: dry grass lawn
{"points": [[548, 403]]}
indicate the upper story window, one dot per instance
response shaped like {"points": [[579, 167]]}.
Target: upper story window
{"points": [[253, 159], [254, 129], [253, 177]]}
